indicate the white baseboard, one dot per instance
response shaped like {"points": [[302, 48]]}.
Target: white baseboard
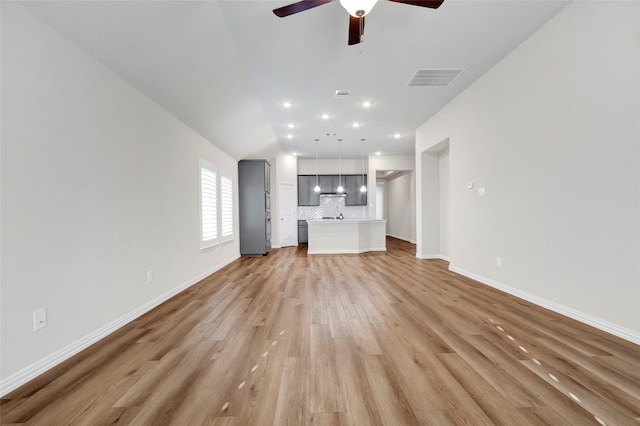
{"points": [[616, 330], [401, 238], [32, 371], [433, 256]]}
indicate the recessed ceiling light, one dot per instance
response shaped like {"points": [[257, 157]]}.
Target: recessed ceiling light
{"points": [[286, 104], [291, 125], [356, 125], [378, 153], [289, 136], [294, 153], [366, 104], [325, 116], [397, 136]]}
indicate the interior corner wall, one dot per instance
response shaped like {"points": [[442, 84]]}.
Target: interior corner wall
{"points": [[443, 202], [401, 209], [99, 186], [556, 149], [387, 162], [428, 198]]}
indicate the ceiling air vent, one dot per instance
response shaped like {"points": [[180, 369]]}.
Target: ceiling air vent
{"points": [[435, 77], [342, 94]]}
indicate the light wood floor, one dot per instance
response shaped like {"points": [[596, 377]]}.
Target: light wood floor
{"points": [[371, 339]]}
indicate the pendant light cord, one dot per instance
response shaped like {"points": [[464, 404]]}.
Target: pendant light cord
{"points": [[317, 162]]}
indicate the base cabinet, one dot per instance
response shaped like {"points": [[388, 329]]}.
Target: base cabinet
{"points": [[303, 232]]}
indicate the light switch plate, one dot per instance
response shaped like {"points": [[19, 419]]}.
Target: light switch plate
{"points": [[39, 319], [481, 191]]}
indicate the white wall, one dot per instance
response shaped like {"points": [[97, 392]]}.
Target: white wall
{"points": [[346, 166], [283, 170], [99, 186], [401, 209], [443, 201], [387, 162], [428, 206], [552, 133]]}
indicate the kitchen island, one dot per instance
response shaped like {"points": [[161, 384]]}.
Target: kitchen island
{"points": [[333, 236]]}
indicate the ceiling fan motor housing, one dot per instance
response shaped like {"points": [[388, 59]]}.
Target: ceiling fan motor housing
{"points": [[358, 8]]}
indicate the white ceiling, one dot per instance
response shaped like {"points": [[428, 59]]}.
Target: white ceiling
{"points": [[225, 67]]}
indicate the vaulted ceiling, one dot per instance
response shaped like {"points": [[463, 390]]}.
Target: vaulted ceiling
{"points": [[225, 68]]}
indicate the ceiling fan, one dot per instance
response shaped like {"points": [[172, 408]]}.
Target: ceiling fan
{"points": [[357, 10]]}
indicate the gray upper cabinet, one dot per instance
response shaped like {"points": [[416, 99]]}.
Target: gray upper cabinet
{"points": [[303, 190], [339, 180], [352, 188], [326, 184], [329, 185], [306, 195]]}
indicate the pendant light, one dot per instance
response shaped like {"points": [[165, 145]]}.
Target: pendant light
{"points": [[340, 188], [363, 188], [317, 187]]}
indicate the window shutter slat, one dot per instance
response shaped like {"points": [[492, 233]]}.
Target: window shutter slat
{"points": [[226, 210], [209, 206]]}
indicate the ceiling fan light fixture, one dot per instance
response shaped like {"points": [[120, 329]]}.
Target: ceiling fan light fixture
{"points": [[358, 8]]}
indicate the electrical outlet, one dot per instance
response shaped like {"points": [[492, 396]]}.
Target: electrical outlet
{"points": [[149, 277], [499, 262], [39, 319]]}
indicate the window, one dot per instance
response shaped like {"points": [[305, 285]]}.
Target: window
{"points": [[208, 205], [226, 207]]}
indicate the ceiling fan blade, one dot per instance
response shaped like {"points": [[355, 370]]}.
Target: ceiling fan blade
{"points": [[356, 30], [432, 4], [300, 6]]}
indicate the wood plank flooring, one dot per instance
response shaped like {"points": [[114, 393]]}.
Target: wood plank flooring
{"points": [[370, 339]]}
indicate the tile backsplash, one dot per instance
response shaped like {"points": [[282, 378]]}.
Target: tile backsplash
{"points": [[332, 206]]}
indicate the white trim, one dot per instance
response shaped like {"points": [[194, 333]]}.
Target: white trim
{"points": [[401, 238], [616, 330], [32, 371], [229, 237], [433, 256], [346, 251]]}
